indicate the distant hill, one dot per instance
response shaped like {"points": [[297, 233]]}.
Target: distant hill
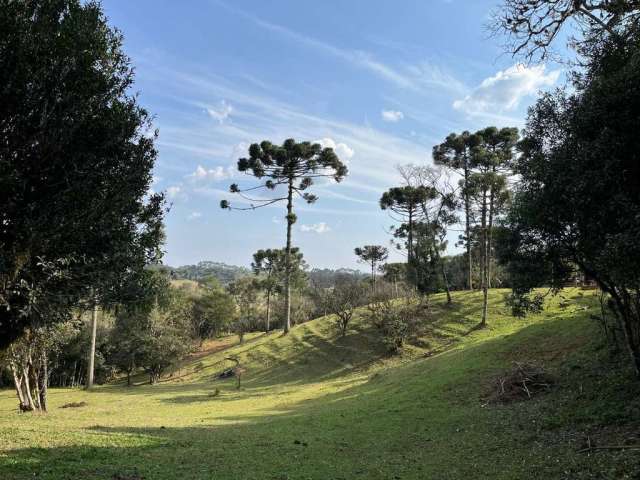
{"points": [[319, 277], [327, 277], [206, 269]]}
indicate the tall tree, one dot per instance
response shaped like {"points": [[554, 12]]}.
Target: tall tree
{"points": [[492, 158], [455, 153], [76, 158], [437, 213], [271, 264], [404, 203], [292, 166], [373, 255]]}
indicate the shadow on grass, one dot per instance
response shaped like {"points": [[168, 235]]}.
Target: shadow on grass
{"points": [[419, 420]]}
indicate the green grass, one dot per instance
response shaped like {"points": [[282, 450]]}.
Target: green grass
{"points": [[316, 406]]}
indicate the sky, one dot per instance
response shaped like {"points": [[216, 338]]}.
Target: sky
{"points": [[379, 81]]}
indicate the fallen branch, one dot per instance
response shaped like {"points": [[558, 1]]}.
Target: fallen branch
{"points": [[610, 447]]}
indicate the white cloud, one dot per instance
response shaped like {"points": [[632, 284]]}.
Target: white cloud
{"points": [[320, 227], [194, 216], [222, 113], [240, 150], [506, 89], [213, 174], [392, 115], [174, 191], [343, 151]]}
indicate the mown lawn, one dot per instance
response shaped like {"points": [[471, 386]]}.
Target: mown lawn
{"points": [[316, 406]]}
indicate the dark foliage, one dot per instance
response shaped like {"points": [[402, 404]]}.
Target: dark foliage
{"points": [[578, 203], [76, 154]]}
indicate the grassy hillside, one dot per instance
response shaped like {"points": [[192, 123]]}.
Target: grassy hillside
{"points": [[316, 406]]}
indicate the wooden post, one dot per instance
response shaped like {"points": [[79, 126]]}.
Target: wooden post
{"points": [[92, 350]]}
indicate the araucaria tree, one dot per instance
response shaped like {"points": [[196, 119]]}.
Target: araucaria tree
{"points": [[289, 171], [488, 187], [374, 255], [455, 153], [270, 265], [404, 204], [437, 213]]}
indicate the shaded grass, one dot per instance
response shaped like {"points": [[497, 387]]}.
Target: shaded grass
{"points": [[317, 406]]}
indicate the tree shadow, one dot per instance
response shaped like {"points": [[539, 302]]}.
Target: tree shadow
{"points": [[418, 420]]}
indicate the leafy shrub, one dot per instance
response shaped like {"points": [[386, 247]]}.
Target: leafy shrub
{"points": [[396, 319]]}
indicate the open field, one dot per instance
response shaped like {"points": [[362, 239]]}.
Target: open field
{"points": [[316, 406]]}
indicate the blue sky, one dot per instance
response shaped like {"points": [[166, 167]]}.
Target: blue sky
{"points": [[381, 81]]}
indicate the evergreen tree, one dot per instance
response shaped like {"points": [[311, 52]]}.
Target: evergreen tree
{"points": [[374, 255], [292, 166]]}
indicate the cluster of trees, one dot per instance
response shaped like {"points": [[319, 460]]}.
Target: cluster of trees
{"points": [[577, 202], [429, 204], [147, 337], [77, 224]]}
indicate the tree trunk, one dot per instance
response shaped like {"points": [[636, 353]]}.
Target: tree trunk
{"points": [[27, 389], [467, 214], [75, 370], [17, 381], [268, 310], [92, 350], [490, 235], [446, 283], [626, 319], [34, 381], [44, 380], [410, 238], [483, 263], [373, 277], [287, 277]]}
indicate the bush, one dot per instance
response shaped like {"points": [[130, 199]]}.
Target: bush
{"points": [[396, 319]]}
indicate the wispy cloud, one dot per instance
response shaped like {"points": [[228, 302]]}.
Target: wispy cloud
{"points": [[505, 90], [319, 228], [222, 113], [392, 115], [213, 174], [267, 118], [175, 191], [419, 78], [194, 216]]}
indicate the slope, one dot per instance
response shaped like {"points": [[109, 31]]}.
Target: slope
{"points": [[316, 406]]}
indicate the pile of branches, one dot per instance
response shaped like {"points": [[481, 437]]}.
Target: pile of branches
{"points": [[523, 382]]}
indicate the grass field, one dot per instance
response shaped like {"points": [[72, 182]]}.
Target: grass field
{"points": [[316, 406]]}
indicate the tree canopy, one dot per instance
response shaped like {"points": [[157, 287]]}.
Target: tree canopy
{"points": [[76, 157], [578, 200]]}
